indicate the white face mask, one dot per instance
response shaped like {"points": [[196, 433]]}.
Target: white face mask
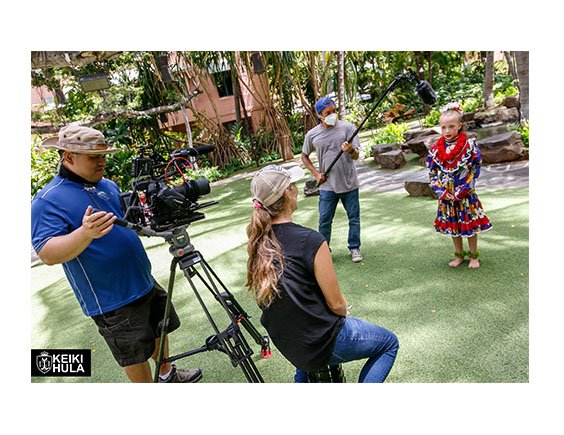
{"points": [[330, 119]]}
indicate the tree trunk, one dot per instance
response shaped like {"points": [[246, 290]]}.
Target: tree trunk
{"points": [[510, 58], [275, 119], [429, 55], [488, 97], [341, 82], [314, 76], [236, 94], [522, 60]]}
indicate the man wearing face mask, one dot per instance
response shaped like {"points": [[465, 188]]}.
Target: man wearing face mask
{"points": [[327, 139]]}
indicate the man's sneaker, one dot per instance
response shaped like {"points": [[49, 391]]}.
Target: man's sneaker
{"points": [[182, 376], [356, 255]]}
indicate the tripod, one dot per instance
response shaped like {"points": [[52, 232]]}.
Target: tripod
{"points": [[230, 340]]}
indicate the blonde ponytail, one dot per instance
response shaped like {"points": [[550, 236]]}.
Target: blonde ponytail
{"points": [[265, 264]]}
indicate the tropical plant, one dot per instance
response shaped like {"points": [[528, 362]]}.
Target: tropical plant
{"points": [[432, 118], [43, 165], [392, 133], [524, 132]]}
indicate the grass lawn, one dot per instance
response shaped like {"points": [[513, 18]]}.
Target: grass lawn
{"points": [[454, 325]]}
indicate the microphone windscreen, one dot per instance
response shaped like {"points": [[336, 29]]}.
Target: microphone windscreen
{"points": [[426, 92]]}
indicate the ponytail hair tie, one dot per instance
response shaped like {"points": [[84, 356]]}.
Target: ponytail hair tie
{"points": [[257, 204]]}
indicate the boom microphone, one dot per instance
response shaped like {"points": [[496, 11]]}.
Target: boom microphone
{"points": [[426, 92]]}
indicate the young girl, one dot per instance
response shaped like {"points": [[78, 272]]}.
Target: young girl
{"points": [[291, 276], [454, 164]]}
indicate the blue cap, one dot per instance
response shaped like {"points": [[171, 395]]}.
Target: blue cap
{"points": [[322, 103]]}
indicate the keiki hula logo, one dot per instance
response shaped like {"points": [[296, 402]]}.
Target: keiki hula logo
{"points": [[44, 362], [60, 362]]}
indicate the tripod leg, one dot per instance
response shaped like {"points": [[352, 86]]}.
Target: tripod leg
{"points": [[240, 316], [164, 323]]}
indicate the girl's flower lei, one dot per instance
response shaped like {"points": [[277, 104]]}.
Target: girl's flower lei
{"points": [[451, 159]]}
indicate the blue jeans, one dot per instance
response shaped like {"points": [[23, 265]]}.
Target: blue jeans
{"points": [[359, 339], [328, 201]]}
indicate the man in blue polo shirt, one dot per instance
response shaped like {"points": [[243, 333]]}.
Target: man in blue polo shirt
{"points": [[105, 265]]}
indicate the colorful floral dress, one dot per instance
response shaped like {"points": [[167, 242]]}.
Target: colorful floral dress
{"points": [[453, 169]]}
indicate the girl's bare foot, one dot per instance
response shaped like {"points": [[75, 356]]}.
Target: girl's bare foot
{"points": [[456, 262], [474, 263]]}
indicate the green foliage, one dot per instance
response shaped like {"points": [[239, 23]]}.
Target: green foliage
{"points": [[392, 133], [432, 118], [356, 112], [471, 104], [295, 123], [524, 132], [118, 168], [210, 173], [43, 166]]}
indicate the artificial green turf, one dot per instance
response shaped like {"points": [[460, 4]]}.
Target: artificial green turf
{"points": [[454, 325]]}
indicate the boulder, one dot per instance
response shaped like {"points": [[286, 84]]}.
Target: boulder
{"points": [[504, 147], [498, 114], [311, 188], [420, 145], [491, 130], [419, 188], [382, 148], [392, 159], [467, 117], [412, 134], [512, 101]]}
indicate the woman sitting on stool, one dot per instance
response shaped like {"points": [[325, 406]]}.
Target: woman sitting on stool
{"points": [[291, 275]]}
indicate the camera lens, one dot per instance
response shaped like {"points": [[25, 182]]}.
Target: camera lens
{"points": [[193, 189]]}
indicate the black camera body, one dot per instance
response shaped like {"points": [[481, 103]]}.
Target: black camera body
{"points": [[154, 203]]}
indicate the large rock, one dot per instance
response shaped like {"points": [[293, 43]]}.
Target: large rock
{"points": [[504, 147], [512, 101], [496, 115], [492, 130], [420, 145], [419, 188], [467, 117], [412, 134], [392, 159], [382, 148], [311, 188]]}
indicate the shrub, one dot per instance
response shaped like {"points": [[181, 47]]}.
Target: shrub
{"points": [[43, 165], [524, 131], [432, 118], [392, 133]]}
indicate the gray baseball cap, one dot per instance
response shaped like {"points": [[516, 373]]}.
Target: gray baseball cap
{"points": [[270, 183]]}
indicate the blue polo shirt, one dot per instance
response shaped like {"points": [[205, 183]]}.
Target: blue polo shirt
{"points": [[114, 269]]}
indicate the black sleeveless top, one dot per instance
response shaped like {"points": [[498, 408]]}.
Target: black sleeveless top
{"points": [[299, 322]]}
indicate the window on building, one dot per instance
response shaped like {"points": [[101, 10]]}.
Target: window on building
{"points": [[223, 82], [221, 75]]}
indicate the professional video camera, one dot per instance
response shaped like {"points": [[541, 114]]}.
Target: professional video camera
{"points": [[168, 200]]}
